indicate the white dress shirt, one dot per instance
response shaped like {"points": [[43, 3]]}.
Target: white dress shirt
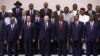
{"points": [[84, 18], [69, 17], [7, 20]]}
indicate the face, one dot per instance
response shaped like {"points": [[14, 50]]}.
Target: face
{"points": [[37, 14], [45, 5], [58, 7], [28, 18], [3, 8], [52, 15], [92, 17], [60, 17], [76, 17], [89, 7], [46, 18], [97, 9], [17, 5], [74, 6], [12, 20], [66, 10], [10, 14], [82, 12], [31, 6], [24, 13]]}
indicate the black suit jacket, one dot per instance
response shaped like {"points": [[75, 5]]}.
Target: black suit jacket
{"points": [[33, 16], [3, 17], [56, 14], [93, 12], [42, 12], [61, 34], [15, 14]]}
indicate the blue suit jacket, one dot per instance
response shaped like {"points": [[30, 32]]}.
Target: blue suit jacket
{"points": [[12, 34], [91, 35], [77, 32], [45, 34], [28, 32]]}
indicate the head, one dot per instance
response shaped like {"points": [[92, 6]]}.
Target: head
{"points": [[76, 17], [66, 9], [37, 13], [61, 17], [12, 20], [92, 17], [28, 19], [23, 13], [82, 11], [46, 18], [31, 6], [3, 7], [45, 5], [89, 6], [74, 6], [18, 4], [97, 8], [58, 7], [52, 15], [10, 13]]}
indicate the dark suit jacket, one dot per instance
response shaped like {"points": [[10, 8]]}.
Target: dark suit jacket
{"points": [[93, 12], [56, 14], [45, 34], [42, 12], [28, 32], [33, 16], [15, 13], [2, 37], [91, 35], [77, 32], [3, 17], [61, 34], [12, 35]]}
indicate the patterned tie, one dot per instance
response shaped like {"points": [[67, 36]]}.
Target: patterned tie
{"points": [[60, 25]]}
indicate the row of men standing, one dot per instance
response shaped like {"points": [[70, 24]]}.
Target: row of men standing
{"points": [[43, 35]]}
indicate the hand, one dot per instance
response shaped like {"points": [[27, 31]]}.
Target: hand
{"points": [[52, 40], [71, 40], [20, 37], [82, 40], [97, 40], [18, 41], [5, 42], [33, 40]]}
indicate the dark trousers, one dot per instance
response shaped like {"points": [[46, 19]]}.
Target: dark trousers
{"points": [[77, 47], [28, 48], [12, 45], [45, 46], [91, 47], [1, 48], [62, 47]]}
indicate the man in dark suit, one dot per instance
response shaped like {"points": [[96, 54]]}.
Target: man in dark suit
{"points": [[2, 37], [17, 11], [90, 11], [91, 35], [31, 12], [45, 36], [61, 33], [38, 20], [3, 14], [12, 33], [29, 36], [58, 11], [45, 10], [53, 45], [76, 34]]}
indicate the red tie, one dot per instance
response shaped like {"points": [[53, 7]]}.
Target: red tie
{"points": [[60, 25]]}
